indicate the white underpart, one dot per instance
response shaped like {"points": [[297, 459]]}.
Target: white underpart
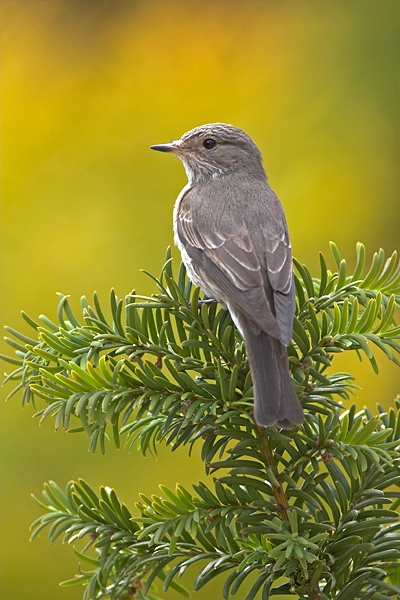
{"points": [[234, 319]]}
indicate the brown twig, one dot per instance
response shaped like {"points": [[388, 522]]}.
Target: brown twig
{"points": [[279, 495]]}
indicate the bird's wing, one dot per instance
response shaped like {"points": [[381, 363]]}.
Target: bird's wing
{"points": [[228, 262], [280, 275]]}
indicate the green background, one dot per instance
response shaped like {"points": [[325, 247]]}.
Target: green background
{"points": [[87, 87]]}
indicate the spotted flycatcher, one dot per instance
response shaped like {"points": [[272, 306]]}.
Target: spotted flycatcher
{"points": [[231, 230]]}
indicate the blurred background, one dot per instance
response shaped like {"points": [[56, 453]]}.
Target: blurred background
{"points": [[87, 87]]}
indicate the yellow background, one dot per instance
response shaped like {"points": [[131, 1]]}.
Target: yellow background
{"points": [[87, 87]]}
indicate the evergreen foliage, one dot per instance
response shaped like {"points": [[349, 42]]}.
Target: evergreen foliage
{"points": [[309, 511]]}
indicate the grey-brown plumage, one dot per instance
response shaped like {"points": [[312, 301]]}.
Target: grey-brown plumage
{"points": [[232, 233]]}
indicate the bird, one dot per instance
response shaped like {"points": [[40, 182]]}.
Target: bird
{"points": [[232, 234]]}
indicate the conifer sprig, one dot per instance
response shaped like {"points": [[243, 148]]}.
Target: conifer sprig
{"points": [[316, 505]]}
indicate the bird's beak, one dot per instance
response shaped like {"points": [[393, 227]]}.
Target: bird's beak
{"points": [[173, 147]]}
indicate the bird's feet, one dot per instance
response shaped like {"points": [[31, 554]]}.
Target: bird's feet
{"points": [[206, 301]]}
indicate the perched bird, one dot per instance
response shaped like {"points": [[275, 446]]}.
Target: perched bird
{"points": [[231, 230]]}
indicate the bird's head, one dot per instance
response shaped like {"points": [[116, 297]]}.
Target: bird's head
{"points": [[216, 149]]}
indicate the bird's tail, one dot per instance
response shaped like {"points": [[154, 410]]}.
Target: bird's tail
{"points": [[275, 401]]}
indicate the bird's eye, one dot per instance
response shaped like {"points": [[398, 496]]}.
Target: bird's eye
{"points": [[209, 143]]}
